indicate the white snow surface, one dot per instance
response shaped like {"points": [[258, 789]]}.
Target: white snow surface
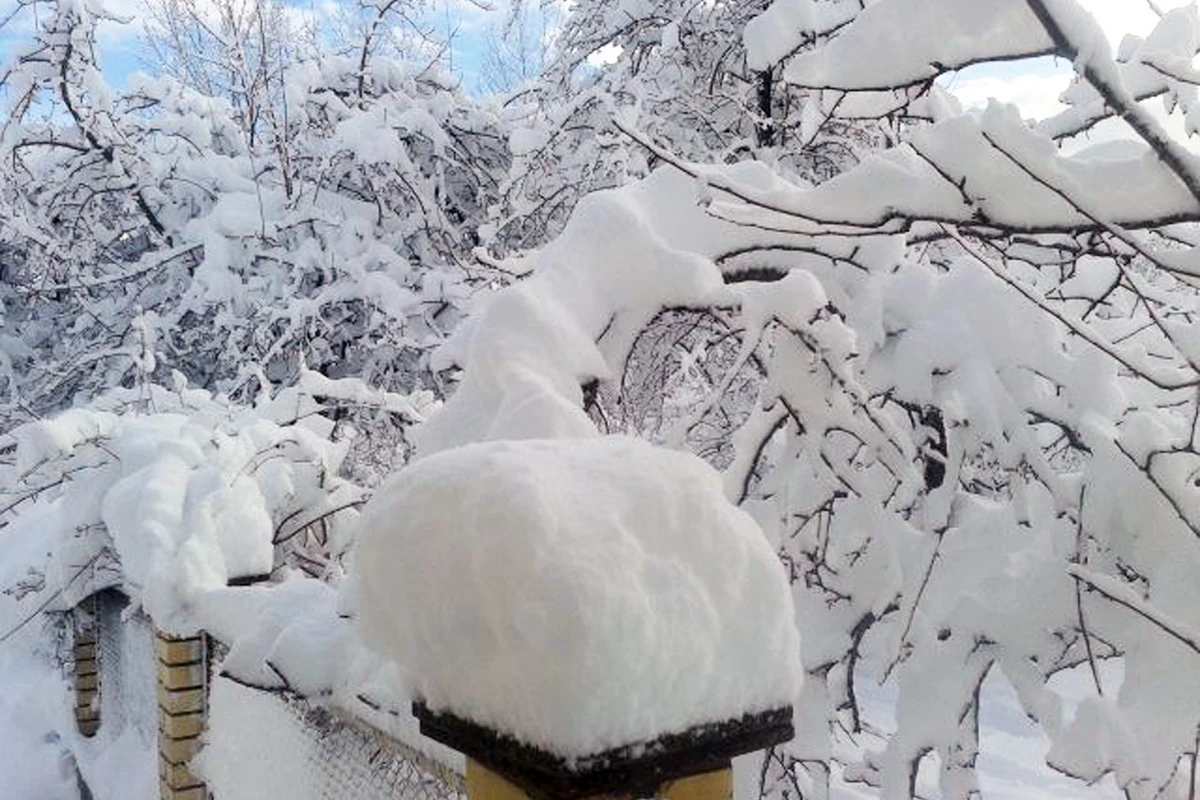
{"points": [[910, 41], [184, 495], [577, 594]]}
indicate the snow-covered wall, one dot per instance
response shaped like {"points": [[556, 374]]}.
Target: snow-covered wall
{"points": [[302, 751]]}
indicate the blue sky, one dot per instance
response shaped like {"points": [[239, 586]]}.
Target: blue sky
{"points": [[1033, 84], [121, 53]]}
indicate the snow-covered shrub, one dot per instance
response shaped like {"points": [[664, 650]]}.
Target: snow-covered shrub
{"points": [[156, 228]]}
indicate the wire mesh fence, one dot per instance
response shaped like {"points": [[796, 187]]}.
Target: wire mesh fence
{"points": [[260, 745], [127, 667], [264, 745]]}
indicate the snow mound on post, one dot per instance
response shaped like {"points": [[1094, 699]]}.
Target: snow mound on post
{"points": [[577, 594]]}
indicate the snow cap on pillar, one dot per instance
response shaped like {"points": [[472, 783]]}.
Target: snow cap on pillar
{"points": [[576, 595]]}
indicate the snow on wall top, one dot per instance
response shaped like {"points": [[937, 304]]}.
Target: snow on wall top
{"points": [[578, 594], [173, 500]]}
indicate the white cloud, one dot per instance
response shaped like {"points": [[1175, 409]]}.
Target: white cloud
{"points": [[1036, 95], [121, 32], [1036, 91]]}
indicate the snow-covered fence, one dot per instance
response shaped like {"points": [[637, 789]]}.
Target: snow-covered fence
{"points": [[115, 707], [132, 679], [309, 750]]}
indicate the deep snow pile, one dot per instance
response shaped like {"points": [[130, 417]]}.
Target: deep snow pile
{"points": [[578, 594]]}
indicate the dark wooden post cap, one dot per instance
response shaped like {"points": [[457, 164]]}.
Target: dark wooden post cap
{"points": [[635, 770]]}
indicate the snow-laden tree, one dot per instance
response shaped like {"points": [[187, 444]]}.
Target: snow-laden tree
{"points": [[956, 384], [515, 49], [679, 71], [955, 381], [317, 211]]}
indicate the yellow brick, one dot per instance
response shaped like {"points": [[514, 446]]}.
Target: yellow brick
{"points": [[184, 676], [88, 727], [178, 651], [193, 793], [87, 703], [89, 682], [179, 751], [483, 784], [176, 776], [716, 785], [180, 702], [180, 727]]}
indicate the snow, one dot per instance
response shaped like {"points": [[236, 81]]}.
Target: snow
{"points": [[577, 594], [951, 171], [275, 766], [771, 35], [187, 498], [529, 348], [912, 41], [181, 522], [1099, 742], [36, 764], [302, 751], [40, 442], [842, 309], [289, 635], [1123, 594], [413, 407]]}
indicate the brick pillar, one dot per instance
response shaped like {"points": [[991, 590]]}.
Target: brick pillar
{"points": [[715, 785], [87, 669], [182, 710]]}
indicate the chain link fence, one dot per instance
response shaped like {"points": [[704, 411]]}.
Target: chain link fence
{"points": [[126, 700], [264, 744], [127, 668], [260, 745]]}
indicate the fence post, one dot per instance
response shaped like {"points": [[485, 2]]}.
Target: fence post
{"points": [[182, 710], [87, 668], [716, 785], [483, 784]]}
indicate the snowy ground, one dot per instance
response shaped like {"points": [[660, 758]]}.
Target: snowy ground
{"points": [[1012, 748], [34, 764], [1012, 763]]}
